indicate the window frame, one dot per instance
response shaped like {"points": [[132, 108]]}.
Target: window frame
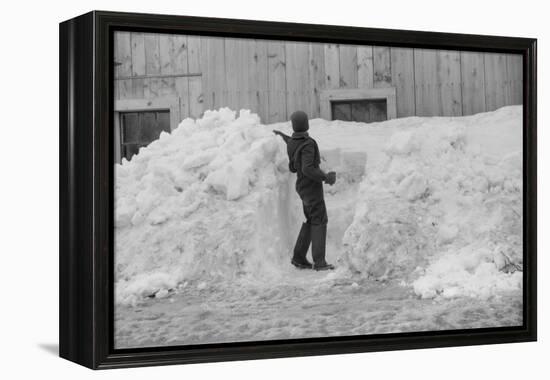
{"points": [[334, 95], [142, 105]]}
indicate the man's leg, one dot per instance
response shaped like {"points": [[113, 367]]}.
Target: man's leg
{"points": [[302, 245], [319, 222], [318, 244]]}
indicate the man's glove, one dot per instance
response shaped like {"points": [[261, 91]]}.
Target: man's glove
{"points": [[285, 137], [331, 178]]}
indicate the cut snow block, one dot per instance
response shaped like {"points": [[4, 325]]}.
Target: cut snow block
{"points": [[355, 162], [331, 159], [344, 162]]}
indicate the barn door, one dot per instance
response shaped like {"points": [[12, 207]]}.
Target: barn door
{"points": [[139, 129]]}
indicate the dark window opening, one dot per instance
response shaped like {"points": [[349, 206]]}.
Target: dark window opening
{"points": [[362, 110], [138, 129]]}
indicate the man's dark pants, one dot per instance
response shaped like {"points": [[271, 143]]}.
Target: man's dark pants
{"points": [[314, 230]]}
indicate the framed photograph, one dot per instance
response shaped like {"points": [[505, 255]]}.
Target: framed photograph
{"points": [[234, 189]]}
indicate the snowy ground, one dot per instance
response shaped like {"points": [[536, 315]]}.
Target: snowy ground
{"points": [[239, 313], [424, 226]]}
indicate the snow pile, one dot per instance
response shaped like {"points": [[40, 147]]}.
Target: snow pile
{"points": [[210, 200], [443, 210], [436, 202]]}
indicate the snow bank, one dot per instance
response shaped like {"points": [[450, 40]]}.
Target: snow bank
{"points": [[434, 201], [210, 200], [443, 209]]}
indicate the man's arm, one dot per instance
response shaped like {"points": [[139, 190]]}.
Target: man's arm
{"points": [[285, 137], [308, 164]]}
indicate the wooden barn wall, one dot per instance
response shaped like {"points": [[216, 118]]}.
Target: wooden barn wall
{"points": [[275, 78]]}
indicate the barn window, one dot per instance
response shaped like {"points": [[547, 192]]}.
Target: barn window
{"points": [[365, 105], [362, 110], [138, 122], [139, 129]]}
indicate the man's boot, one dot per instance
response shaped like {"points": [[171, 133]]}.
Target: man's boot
{"points": [[318, 243], [300, 249]]}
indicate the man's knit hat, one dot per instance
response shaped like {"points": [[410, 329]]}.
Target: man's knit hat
{"points": [[299, 121]]}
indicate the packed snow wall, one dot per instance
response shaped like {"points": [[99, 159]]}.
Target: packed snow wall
{"points": [[443, 210]]}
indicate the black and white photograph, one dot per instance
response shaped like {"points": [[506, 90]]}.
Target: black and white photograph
{"points": [[276, 190]]}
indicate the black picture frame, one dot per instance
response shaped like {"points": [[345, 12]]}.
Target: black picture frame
{"points": [[86, 189]]}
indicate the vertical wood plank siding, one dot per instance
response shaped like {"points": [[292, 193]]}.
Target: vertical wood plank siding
{"points": [[275, 78], [382, 66], [195, 84], [473, 82], [152, 66], [137, 41], [123, 64], [297, 77], [316, 78], [402, 78], [276, 74], [448, 82], [495, 80], [425, 83], [365, 67], [332, 66], [348, 66]]}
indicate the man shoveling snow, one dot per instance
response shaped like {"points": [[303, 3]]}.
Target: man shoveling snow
{"points": [[304, 159]]}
